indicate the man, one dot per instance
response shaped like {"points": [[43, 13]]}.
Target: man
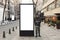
{"points": [[37, 22]]}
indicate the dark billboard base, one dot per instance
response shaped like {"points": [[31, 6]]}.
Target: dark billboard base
{"points": [[27, 33]]}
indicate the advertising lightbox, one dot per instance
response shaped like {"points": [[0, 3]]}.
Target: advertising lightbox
{"points": [[26, 17]]}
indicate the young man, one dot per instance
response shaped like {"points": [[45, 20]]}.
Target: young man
{"points": [[37, 22]]}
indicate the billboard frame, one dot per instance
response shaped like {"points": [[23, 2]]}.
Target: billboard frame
{"points": [[23, 33]]}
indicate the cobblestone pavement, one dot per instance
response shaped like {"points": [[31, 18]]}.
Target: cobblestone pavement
{"points": [[6, 28], [47, 33]]}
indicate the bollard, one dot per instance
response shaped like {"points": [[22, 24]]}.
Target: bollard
{"points": [[9, 31], [13, 29], [4, 34], [16, 27]]}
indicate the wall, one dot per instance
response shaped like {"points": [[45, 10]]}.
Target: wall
{"points": [[1, 13]]}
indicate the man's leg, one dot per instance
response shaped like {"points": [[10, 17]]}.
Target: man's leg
{"points": [[36, 31], [39, 30]]}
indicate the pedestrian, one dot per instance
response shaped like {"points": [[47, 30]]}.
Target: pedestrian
{"points": [[37, 22]]}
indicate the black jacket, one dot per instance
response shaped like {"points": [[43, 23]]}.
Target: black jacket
{"points": [[37, 21]]}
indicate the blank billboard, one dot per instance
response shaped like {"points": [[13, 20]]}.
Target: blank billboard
{"points": [[26, 17]]}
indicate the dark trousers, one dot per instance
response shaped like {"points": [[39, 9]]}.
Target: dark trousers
{"points": [[37, 30]]}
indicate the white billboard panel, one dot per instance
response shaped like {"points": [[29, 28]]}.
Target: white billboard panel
{"points": [[26, 17]]}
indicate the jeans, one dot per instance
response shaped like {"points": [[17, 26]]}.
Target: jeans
{"points": [[38, 30]]}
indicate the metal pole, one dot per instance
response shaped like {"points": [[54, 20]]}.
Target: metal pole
{"points": [[4, 34]]}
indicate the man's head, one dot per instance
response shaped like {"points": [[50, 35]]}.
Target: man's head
{"points": [[36, 15]]}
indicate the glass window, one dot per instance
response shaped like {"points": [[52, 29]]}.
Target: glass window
{"points": [[58, 3]]}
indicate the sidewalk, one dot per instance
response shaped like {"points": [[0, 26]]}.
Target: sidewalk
{"points": [[6, 29], [49, 33]]}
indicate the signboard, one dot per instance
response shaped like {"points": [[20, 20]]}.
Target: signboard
{"points": [[26, 16]]}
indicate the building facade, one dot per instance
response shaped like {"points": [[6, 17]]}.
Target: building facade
{"points": [[10, 8], [51, 7]]}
